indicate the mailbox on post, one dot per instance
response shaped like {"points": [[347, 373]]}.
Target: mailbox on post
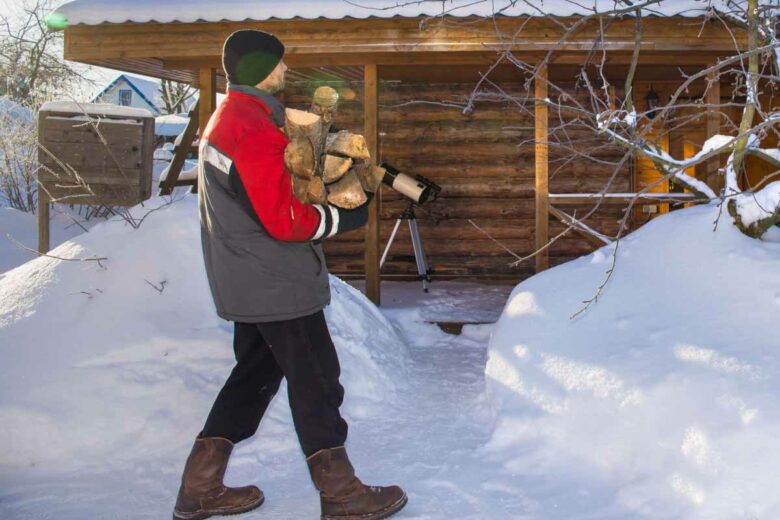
{"points": [[93, 154]]}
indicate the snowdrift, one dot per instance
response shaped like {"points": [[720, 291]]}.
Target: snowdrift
{"points": [[661, 401], [18, 227], [119, 360]]}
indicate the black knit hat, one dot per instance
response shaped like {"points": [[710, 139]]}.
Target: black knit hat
{"points": [[249, 56]]}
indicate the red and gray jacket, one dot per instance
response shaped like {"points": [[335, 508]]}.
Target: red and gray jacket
{"points": [[260, 244]]}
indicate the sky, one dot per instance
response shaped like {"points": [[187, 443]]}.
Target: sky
{"points": [[98, 75]]}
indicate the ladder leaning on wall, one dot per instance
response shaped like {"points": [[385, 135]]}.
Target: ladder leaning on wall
{"points": [[185, 146]]}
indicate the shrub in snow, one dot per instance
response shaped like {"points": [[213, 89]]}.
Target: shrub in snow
{"points": [[18, 165], [123, 357], [661, 400]]}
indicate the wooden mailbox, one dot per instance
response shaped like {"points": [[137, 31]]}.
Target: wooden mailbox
{"points": [[95, 154]]}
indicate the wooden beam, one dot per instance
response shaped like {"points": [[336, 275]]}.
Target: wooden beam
{"points": [[712, 97], [578, 199], [180, 154], [593, 236], [393, 35], [542, 174], [422, 58], [371, 122], [208, 96]]}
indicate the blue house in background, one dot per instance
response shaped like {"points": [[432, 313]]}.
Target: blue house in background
{"points": [[132, 91]]}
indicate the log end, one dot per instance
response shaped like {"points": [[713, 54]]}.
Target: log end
{"points": [[347, 193]]}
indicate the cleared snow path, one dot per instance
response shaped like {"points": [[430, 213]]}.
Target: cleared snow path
{"points": [[428, 443]]}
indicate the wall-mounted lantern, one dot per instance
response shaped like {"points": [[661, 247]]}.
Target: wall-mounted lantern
{"points": [[651, 102]]}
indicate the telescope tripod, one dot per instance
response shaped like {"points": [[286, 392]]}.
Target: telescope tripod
{"points": [[419, 253]]}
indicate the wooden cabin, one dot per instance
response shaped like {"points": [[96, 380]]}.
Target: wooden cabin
{"points": [[405, 75]]}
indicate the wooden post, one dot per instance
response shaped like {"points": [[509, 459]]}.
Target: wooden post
{"points": [[43, 200], [43, 220], [542, 176], [713, 179], [370, 114], [208, 96]]}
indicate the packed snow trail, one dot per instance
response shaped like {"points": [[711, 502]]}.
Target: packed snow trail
{"points": [[430, 442], [427, 443]]}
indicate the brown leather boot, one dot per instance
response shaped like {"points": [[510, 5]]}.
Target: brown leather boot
{"points": [[343, 496], [202, 493]]}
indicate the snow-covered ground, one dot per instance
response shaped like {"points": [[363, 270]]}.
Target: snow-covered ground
{"points": [[19, 230], [19, 234], [661, 401], [656, 403]]}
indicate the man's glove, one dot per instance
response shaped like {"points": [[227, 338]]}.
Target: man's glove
{"points": [[350, 219], [338, 220]]}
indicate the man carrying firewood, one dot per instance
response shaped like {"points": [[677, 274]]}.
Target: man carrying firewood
{"points": [[267, 273]]}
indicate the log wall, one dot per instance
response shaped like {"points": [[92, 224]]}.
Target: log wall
{"points": [[484, 163]]}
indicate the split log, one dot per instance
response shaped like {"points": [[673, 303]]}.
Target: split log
{"points": [[347, 193], [316, 192], [300, 123], [300, 188], [335, 167], [370, 176], [299, 158], [324, 105], [347, 144]]}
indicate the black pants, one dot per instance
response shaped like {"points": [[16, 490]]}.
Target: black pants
{"points": [[300, 350]]}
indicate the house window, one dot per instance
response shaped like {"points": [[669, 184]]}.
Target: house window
{"points": [[125, 97]]}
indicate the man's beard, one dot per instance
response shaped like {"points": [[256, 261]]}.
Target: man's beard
{"points": [[276, 87]]}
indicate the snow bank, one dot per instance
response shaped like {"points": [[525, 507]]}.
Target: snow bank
{"points": [[18, 227], [119, 361], [661, 400]]}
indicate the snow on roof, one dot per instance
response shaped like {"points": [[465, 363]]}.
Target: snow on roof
{"points": [[93, 12], [95, 109], [171, 125], [148, 89]]}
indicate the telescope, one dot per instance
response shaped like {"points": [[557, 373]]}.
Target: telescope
{"points": [[417, 188]]}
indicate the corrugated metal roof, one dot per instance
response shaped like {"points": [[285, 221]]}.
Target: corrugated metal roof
{"points": [[93, 12]]}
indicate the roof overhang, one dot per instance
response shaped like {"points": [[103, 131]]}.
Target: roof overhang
{"points": [[176, 50]]}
